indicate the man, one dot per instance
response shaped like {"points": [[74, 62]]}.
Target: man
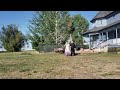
{"points": [[72, 48]]}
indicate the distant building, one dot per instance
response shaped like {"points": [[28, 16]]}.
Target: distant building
{"points": [[24, 48], [27, 46], [105, 32]]}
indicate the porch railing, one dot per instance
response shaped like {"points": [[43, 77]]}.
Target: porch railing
{"points": [[98, 44]]}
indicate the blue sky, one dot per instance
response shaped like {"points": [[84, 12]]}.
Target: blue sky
{"points": [[21, 18]]}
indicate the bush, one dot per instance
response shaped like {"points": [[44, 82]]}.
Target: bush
{"points": [[12, 39]]}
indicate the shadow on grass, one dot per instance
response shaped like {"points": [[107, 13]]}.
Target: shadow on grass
{"points": [[3, 51], [75, 54]]}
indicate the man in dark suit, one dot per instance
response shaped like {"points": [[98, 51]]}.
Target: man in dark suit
{"points": [[73, 46]]}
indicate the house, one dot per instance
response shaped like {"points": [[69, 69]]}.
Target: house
{"points": [[105, 34], [26, 47]]}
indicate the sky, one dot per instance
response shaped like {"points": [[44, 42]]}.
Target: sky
{"points": [[21, 18]]}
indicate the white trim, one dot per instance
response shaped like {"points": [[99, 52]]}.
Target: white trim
{"points": [[102, 36], [89, 41], [116, 35], [107, 35], [93, 33]]}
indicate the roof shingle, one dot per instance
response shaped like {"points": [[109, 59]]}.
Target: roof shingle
{"points": [[97, 29], [101, 14]]}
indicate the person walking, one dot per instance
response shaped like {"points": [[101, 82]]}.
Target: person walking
{"points": [[67, 49], [73, 46]]}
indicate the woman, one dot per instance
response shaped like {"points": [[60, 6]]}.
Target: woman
{"points": [[67, 49]]}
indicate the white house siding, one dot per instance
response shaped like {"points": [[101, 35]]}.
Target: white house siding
{"points": [[2, 49], [102, 42], [104, 22], [118, 41], [113, 18], [25, 48], [100, 22], [108, 21], [93, 25]]}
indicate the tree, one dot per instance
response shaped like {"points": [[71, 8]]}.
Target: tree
{"points": [[48, 27], [78, 25], [55, 27], [12, 39]]}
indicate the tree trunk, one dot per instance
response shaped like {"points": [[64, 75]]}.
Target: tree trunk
{"points": [[70, 38], [56, 25]]}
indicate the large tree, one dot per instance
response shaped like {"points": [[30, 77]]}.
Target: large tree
{"points": [[48, 27], [11, 38], [55, 27], [78, 25]]}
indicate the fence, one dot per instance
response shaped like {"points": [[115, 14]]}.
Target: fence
{"points": [[49, 48]]}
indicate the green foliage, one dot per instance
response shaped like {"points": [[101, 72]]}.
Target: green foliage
{"points": [[79, 25], [55, 27], [25, 53], [48, 28], [12, 39]]}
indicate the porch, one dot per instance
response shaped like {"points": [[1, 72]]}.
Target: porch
{"points": [[102, 39]]}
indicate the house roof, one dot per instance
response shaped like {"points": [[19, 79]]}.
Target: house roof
{"points": [[101, 14], [97, 29]]}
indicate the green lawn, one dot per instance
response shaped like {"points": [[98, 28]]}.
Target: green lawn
{"points": [[31, 65]]}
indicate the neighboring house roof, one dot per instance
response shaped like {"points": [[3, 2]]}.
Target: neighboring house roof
{"points": [[101, 14], [97, 29]]}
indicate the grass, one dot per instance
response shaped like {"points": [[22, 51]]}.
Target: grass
{"points": [[111, 73], [25, 53], [32, 65]]}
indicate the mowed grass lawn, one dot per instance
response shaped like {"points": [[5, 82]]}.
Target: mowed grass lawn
{"points": [[31, 65]]}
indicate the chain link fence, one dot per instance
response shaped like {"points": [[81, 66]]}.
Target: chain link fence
{"points": [[49, 48]]}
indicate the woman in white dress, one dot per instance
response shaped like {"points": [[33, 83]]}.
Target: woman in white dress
{"points": [[67, 49]]}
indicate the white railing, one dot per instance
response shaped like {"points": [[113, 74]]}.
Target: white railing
{"points": [[98, 44]]}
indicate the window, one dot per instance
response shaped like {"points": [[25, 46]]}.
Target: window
{"points": [[118, 32], [104, 38], [101, 21], [112, 34]]}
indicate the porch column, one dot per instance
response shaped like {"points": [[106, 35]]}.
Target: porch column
{"points": [[107, 36], [102, 36], [89, 41], [116, 35], [99, 36]]}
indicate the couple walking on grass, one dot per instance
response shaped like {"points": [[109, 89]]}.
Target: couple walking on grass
{"points": [[70, 48]]}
